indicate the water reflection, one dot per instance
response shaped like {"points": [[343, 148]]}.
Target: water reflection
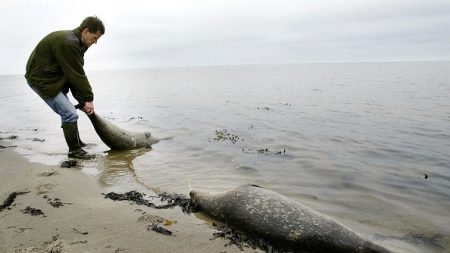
{"points": [[118, 164]]}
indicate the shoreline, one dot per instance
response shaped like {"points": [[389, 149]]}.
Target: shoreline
{"points": [[77, 218]]}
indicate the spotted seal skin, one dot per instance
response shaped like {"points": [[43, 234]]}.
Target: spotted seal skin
{"points": [[120, 139], [281, 220]]}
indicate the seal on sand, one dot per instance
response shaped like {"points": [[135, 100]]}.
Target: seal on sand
{"points": [[117, 138], [281, 220]]}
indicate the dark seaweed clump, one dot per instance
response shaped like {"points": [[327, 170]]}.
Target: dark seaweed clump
{"points": [[56, 202], [33, 211], [8, 202], [223, 135], [69, 164], [179, 200], [138, 198], [159, 229]]}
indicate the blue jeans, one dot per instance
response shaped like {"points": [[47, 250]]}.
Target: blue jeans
{"points": [[62, 106]]}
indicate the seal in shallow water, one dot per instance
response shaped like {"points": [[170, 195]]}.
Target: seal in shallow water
{"points": [[281, 220], [117, 138]]}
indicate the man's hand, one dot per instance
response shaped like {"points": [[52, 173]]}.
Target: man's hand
{"points": [[88, 108]]}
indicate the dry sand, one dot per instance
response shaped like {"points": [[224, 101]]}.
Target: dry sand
{"points": [[87, 222]]}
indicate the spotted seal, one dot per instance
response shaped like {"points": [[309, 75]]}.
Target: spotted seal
{"points": [[281, 220], [118, 138]]}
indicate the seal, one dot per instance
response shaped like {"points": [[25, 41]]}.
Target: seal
{"points": [[281, 220], [118, 138]]}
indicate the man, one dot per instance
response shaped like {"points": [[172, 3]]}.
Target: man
{"points": [[55, 66]]}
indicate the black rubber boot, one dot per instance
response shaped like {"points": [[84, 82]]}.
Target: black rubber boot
{"points": [[82, 144], [71, 135]]}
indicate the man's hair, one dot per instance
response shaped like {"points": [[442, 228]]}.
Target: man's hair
{"points": [[93, 24]]}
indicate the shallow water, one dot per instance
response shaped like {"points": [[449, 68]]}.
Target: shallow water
{"points": [[366, 143]]}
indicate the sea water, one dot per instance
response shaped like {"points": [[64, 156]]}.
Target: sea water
{"points": [[365, 143]]}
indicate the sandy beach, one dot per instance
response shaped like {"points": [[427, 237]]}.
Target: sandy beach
{"points": [[77, 218]]}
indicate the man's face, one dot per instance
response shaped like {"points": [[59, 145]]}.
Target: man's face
{"points": [[89, 38]]}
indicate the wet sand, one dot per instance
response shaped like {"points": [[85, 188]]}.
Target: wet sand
{"points": [[77, 218]]}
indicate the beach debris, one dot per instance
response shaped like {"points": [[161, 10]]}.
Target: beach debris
{"points": [[69, 164], [11, 197], [264, 108], [80, 242], [135, 197], [159, 229], [426, 176], [79, 232], [56, 203], [33, 211], [38, 140], [131, 195], [223, 135], [179, 200], [265, 151], [155, 221], [138, 198]]}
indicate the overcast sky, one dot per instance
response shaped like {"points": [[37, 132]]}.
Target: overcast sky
{"points": [[157, 33]]}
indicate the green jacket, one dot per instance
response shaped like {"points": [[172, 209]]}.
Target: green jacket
{"points": [[56, 64]]}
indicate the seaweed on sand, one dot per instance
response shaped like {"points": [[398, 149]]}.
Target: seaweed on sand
{"points": [[8, 202], [138, 198]]}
